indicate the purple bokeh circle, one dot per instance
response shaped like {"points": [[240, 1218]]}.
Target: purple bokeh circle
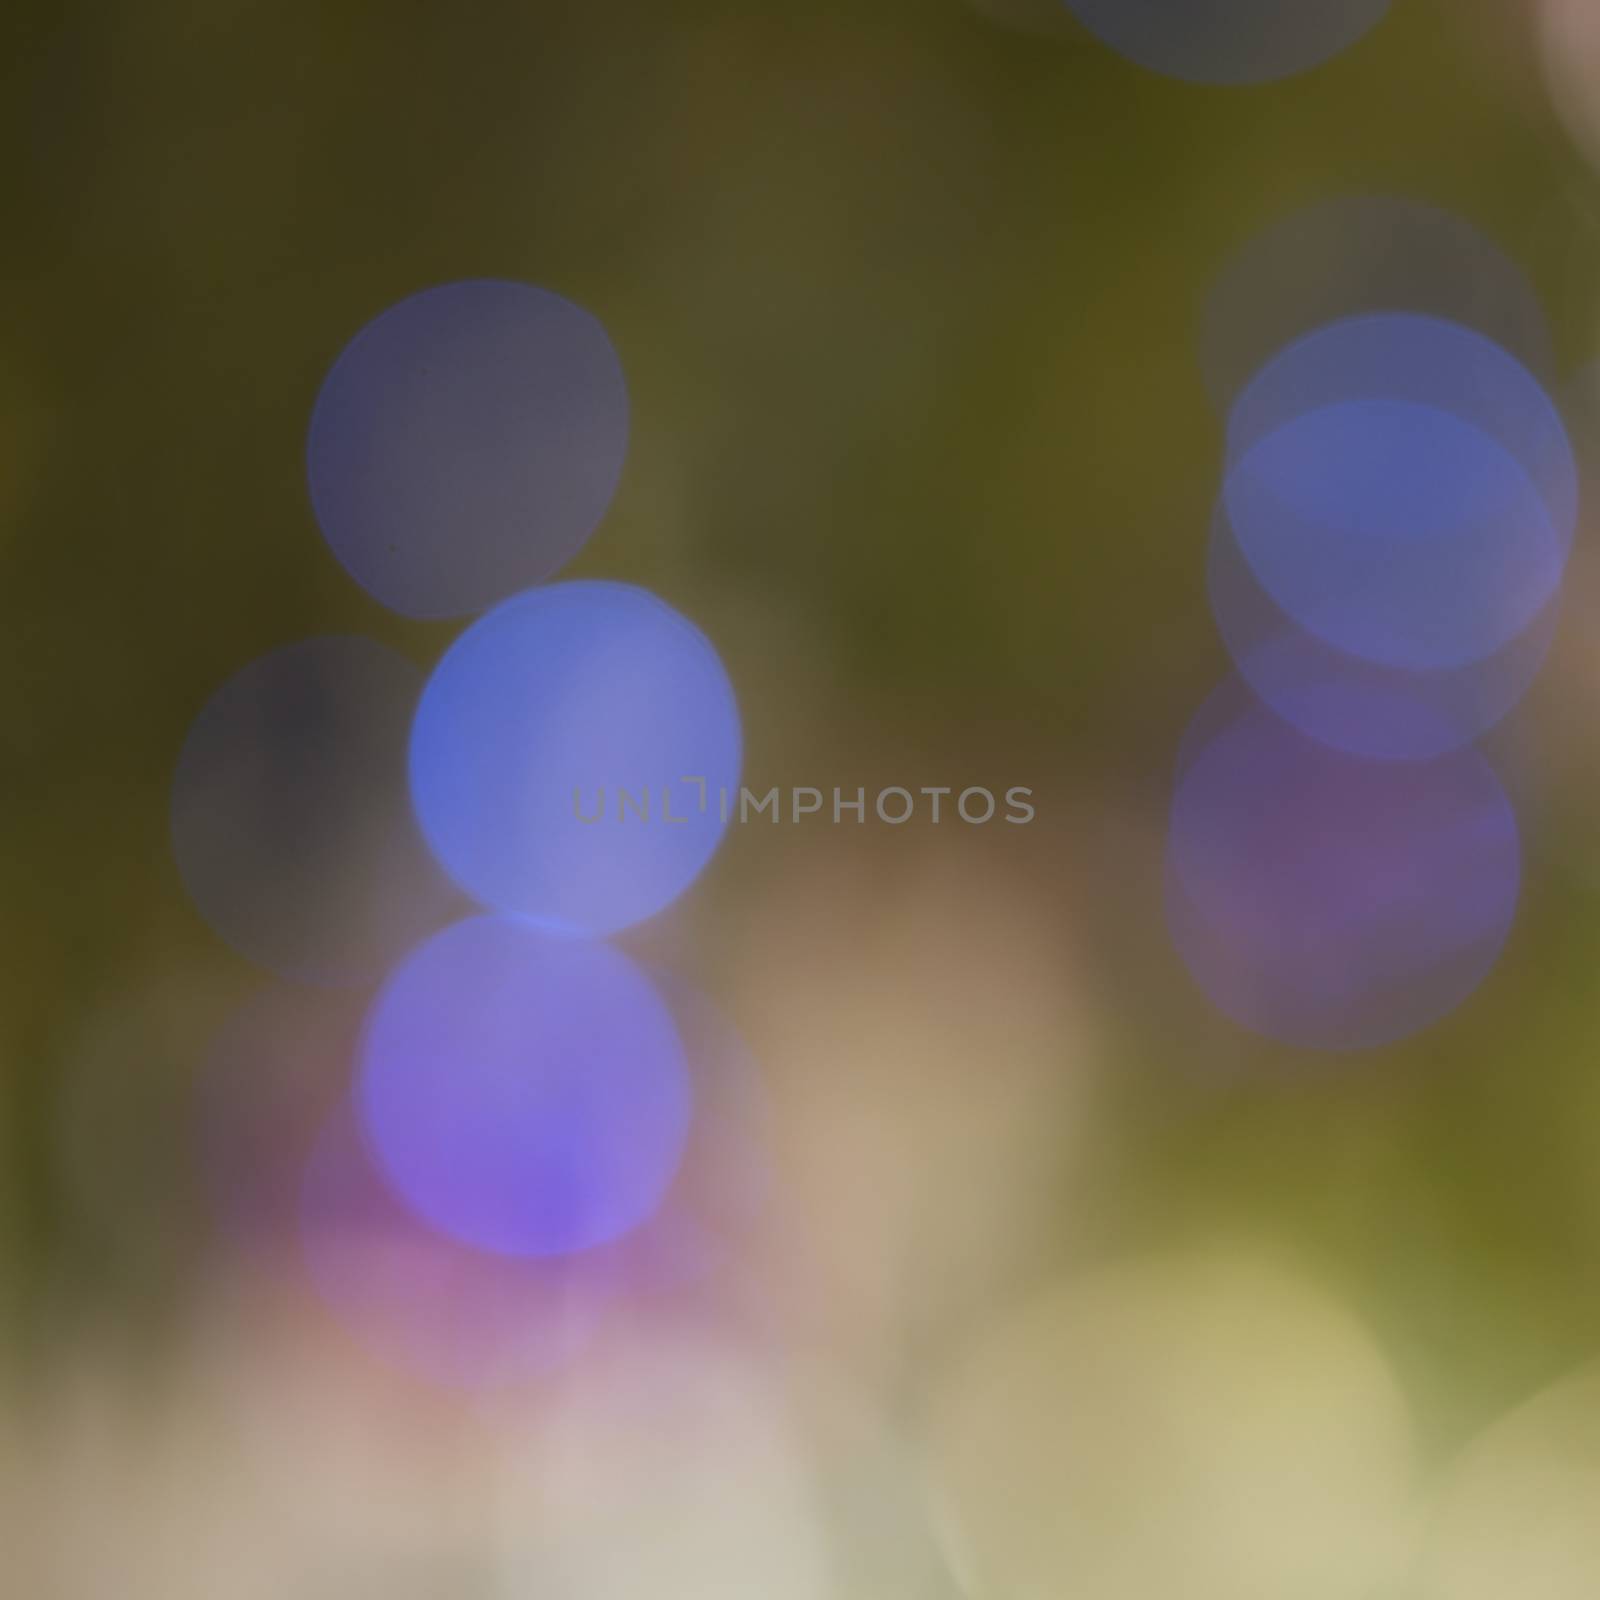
{"points": [[524, 1093], [1330, 902]]}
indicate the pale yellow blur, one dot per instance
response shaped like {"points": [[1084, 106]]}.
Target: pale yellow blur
{"points": [[1207, 1426]]}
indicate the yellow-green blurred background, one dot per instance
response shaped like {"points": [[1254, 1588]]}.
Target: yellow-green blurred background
{"points": [[907, 294]]}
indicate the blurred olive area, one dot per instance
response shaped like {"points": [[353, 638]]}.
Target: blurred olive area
{"points": [[1027, 1272]]}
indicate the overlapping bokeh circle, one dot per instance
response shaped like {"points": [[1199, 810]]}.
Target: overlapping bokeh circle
{"points": [[1333, 902], [521, 1093], [290, 823], [1402, 489], [1229, 41], [1399, 499], [527, 1094]]}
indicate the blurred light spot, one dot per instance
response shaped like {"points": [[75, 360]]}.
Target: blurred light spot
{"points": [[1426, 364], [1516, 1514], [1229, 41], [313, 1485], [1208, 1426], [1357, 255], [524, 1094], [916, 1022], [1403, 489], [665, 1468], [1569, 36], [1330, 902], [290, 821], [294, 1188], [889, 1547], [466, 444], [553, 750], [1395, 532], [429, 1304], [1359, 706]]}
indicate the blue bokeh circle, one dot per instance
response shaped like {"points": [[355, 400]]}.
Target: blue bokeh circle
{"points": [[576, 755], [1329, 902], [1359, 706], [1229, 42], [1396, 532]]}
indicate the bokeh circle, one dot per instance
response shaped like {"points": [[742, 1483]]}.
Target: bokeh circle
{"points": [[1425, 362], [524, 1093], [1231, 42], [576, 755], [1363, 707], [1329, 902], [465, 445], [290, 821], [1396, 532], [1357, 256]]}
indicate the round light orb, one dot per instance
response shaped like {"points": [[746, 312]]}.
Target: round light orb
{"points": [[295, 1187], [1355, 256], [1423, 362], [1515, 1510], [1368, 709], [290, 820], [1229, 41], [576, 756], [1396, 532], [524, 1093], [465, 445], [1332, 903], [1212, 1425]]}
